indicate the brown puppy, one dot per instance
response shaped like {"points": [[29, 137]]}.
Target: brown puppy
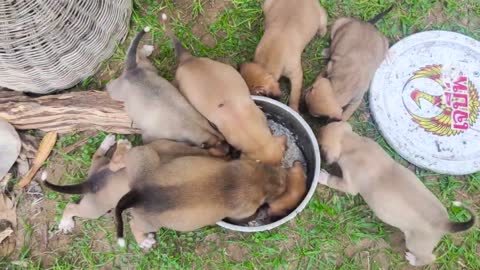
{"points": [[319, 104], [183, 199], [289, 27], [106, 183], [356, 51], [108, 180], [157, 107], [220, 94], [295, 192], [393, 192]]}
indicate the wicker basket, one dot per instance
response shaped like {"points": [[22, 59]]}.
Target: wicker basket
{"points": [[47, 45]]}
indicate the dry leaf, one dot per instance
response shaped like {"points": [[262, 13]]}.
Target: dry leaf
{"points": [[4, 182], [7, 239], [6, 233], [44, 149]]}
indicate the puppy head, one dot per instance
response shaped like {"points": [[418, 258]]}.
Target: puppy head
{"points": [[295, 191], [116, 90], [334, 129], [271, 153], [321, 100], [340, 23], [259, 81], [330, 137], [275, 150], [275, 181]]}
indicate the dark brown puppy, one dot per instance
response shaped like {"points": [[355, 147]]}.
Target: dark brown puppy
{"points": [[106, 183], [356, 51], [289, 27], [157, 107], [393, 192], [185, 199], [295, 192]]}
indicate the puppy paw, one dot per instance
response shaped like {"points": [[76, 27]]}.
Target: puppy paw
{"points": [[411, 258], [148, 242], [108, 142], [66, 225], [125, 143], [323, 177], [148, 50]]}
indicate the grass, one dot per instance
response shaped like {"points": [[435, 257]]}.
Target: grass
{"points": [[331, 226]]}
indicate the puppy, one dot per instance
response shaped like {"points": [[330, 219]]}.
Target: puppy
{"points": [[220, 94], [295, 192], [108, 179], [289, 27], [356, 51], [393, 192], [157, 107], [106, 183], [183, 199]]}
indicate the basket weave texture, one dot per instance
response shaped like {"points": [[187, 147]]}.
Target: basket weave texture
{"points": [[48, 45]]}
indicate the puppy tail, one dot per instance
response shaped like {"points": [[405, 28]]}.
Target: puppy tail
{"points": [[454, 227], [180, 51], [127, 201], [81, 188], [131, 62], [382, 14]]}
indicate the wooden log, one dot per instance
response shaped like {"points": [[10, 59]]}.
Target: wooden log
{"points": [[65, 113]]}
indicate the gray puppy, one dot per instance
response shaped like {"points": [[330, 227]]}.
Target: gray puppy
{"points": [[356, 51], [156, 106]]}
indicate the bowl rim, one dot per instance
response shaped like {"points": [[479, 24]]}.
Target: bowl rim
{"points": [[313, 186]]}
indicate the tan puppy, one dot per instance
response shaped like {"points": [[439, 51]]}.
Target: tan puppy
{"points": [[106, 183], [356, 51], [295, 192], [183, 199], [220, 94], [157, 107], [289, 27], [393, 192], [319, 104]]}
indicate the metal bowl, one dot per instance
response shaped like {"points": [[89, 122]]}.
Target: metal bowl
{"points": [[307, 142]]}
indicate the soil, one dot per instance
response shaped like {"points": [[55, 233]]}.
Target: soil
{"points": [[211, 9]]}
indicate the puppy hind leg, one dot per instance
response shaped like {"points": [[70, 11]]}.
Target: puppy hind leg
{"points": [[146, 240], [142, 60], [106, 144], [85, 209], [99, 159], [67, 223], [118, 159], [420, 246], [296, 80]]}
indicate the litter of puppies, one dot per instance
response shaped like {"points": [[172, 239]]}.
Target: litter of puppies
{"points": [[188, 174]]}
